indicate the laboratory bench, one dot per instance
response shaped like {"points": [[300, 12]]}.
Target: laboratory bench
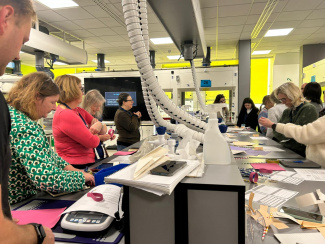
{"points": [[210, 209]]}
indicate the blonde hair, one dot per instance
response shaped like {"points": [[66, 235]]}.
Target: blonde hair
{"points": [[93, 97], [22, 8], [24, 93], [292, 91], [274, 98], [69, 89]]}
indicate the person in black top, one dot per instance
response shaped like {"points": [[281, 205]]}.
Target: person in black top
{"points": [[248, 114]]}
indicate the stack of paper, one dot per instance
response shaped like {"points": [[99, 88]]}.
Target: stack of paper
{"points": [[157, 184]]}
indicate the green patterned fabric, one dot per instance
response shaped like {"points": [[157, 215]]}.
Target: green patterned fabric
{"points": [[34, 165]]}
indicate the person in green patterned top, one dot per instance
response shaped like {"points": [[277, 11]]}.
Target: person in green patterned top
{"points": [[34, 165]]}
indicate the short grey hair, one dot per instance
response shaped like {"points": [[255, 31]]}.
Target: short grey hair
{"points": [[93, 97]]}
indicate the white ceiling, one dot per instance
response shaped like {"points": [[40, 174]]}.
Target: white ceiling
{"points": [[224, 21]]}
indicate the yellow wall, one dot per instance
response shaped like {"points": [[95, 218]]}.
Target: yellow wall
{"points": [[259, 79]]}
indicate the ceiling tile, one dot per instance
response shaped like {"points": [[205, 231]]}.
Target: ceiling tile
{"points": [[235, 10], [317, 14], [284, 24], [102, 31], [85, 2], [74, 13], [295, 5], [96, 11], [81, 33], [312, 23], [89, 23], [226, 21], [112, 38], [230, 29], [304, 30], [294, 15], [49, 16], [66, 25]]}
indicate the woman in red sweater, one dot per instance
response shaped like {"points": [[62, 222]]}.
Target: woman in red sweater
{"points": [[75, 131]]}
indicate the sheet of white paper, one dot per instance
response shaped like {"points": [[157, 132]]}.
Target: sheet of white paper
{"points": [[246, 132], [260, 138], [272, 149], [237, 151], [257, 196], [109, 204], [289, 177], [121, 159], [301, 238], [312, 174]]}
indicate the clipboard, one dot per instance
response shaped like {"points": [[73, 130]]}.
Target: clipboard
{"points": [[112, 236], [305, 163]]}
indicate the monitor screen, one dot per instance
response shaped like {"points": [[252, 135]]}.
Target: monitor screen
{"points": [[111, 98], [111, 87]]}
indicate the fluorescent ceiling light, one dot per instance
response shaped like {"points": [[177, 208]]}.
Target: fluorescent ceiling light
{"points": [[164, 40], [261, 52], [58, 3], [60, 63], [174, 57], [105, 61], [278, 32]]}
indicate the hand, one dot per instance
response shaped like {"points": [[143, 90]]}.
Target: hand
{"points": [[96, 128], [265, 122], [49, 239], [90, 179], [138, 114], [113, 137], [104, 137]]}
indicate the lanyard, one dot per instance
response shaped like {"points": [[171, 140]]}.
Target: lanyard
{"points": [[78, 114]]}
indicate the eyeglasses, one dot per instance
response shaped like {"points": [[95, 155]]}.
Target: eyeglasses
{"points": [[283, 100], [129, 100]]}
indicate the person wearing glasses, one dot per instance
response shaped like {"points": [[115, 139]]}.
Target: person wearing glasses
{"points": [[76, 132], [220, 98], [313, 93], [298, 112], [126, 122]]}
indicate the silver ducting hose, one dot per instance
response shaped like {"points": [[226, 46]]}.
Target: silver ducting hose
{"points": [[138, 45]]}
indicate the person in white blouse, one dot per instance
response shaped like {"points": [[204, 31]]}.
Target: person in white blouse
{"points": [[275, 113]]}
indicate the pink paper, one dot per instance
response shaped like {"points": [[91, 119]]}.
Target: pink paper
{"points": [[269, 166], [46, 217], [122, 153]]}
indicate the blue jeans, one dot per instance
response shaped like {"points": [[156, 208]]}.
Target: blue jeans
{"points": [[120, 147]]}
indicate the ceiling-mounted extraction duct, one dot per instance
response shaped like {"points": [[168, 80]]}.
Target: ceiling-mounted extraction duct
{"points": [[182, 20], [100, 62], [67, 53]]}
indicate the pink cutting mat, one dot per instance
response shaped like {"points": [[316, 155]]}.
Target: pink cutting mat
{"points": [[269, 166], [46, 217]]}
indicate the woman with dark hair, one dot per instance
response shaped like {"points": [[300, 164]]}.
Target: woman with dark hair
{"points": [[126, 122], [220, 98], [313, 92], [34, 164], [248, 114]]}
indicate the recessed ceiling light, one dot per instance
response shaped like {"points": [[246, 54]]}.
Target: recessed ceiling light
{"points": [[174, 57], [261, 52], [58, 3], [278, 32], [164, 40], [105, 61], [60, 63]]}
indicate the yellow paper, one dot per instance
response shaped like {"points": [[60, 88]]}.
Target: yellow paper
{"points": [[243, 143], [321, 230]]}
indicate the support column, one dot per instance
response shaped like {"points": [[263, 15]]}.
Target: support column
{"points": [[244, 70]]}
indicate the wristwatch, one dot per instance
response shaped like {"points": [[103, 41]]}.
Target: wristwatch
{"points": [[40, 232], [273, 126]]}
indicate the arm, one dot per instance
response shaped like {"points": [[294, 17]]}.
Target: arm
{"points": [[306, 134], [16, 234], [73, 126], [47, 170], [127, 122]]}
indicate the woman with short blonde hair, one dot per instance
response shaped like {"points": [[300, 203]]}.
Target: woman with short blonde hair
{"points": [[298, 112], [76, 132], [34, 164]]}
